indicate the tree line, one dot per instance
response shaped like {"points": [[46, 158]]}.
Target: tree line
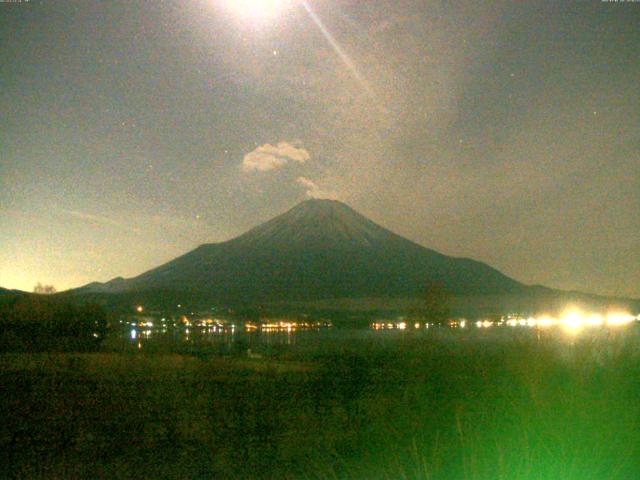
{"points": [[35, 324]]}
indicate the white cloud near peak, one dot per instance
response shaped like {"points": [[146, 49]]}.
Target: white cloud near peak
{"points": [[271, 157], [314, 190]]}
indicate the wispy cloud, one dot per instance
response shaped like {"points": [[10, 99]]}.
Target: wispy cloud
{"points": [[100, 219], [270, 157], [314, 190]]}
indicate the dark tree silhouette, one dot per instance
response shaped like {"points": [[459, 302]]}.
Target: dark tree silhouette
{"points": [[33, 323], [433, 306], [44, 289]]}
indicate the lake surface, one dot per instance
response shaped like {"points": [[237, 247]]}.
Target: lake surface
{"points": [[277, 338]]}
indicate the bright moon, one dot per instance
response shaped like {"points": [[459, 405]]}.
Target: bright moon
{"points": [[258, 11]]}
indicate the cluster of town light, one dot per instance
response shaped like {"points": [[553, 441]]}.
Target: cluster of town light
{"points": [[283, 326], [142, 327], [572, 320], [386, 325]]}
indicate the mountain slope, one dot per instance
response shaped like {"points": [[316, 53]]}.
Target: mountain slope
{"points": [[318, 249]]}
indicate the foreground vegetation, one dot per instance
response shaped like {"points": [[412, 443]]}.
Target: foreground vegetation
{"points": [[504, 405], [41, 323]]}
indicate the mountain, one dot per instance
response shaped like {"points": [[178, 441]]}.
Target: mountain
{"points": [[9, 296], [5, 291], [320, 249]]}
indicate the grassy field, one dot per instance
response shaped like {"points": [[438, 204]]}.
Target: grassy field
{"points": [[499, 405]]}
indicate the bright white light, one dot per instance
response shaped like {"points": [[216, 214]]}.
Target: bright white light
{"points": [[545, 321], [572, 320], [616, 318], [594, 320], [258, 11]]}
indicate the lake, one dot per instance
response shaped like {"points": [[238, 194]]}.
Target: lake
{"points": [[514, 399], [292, 337]]}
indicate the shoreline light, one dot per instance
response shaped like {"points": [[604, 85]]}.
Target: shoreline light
{"points": [[619, 318], [572, 320]]}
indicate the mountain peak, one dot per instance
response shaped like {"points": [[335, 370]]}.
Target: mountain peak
{"points": [[316, 223], [317, 249], [321, 203], [321, 207]]}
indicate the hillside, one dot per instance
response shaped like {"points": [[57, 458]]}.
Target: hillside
{"points": [[319, 249]]}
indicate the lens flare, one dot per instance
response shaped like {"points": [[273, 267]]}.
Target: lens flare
{"points": [[342, 54], [258, 11]]}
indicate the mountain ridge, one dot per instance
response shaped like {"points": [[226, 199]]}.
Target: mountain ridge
{"points": [[317, 249]]}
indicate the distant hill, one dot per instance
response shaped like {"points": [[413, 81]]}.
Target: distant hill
{"points": [[319, 249], [9, 296], [7, 292]]}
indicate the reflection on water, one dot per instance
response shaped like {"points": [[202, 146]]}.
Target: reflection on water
{"points": [[285, 325], [147, 331]]}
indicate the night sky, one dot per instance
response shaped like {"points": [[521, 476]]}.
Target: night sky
{"points": [[134, 131]]}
